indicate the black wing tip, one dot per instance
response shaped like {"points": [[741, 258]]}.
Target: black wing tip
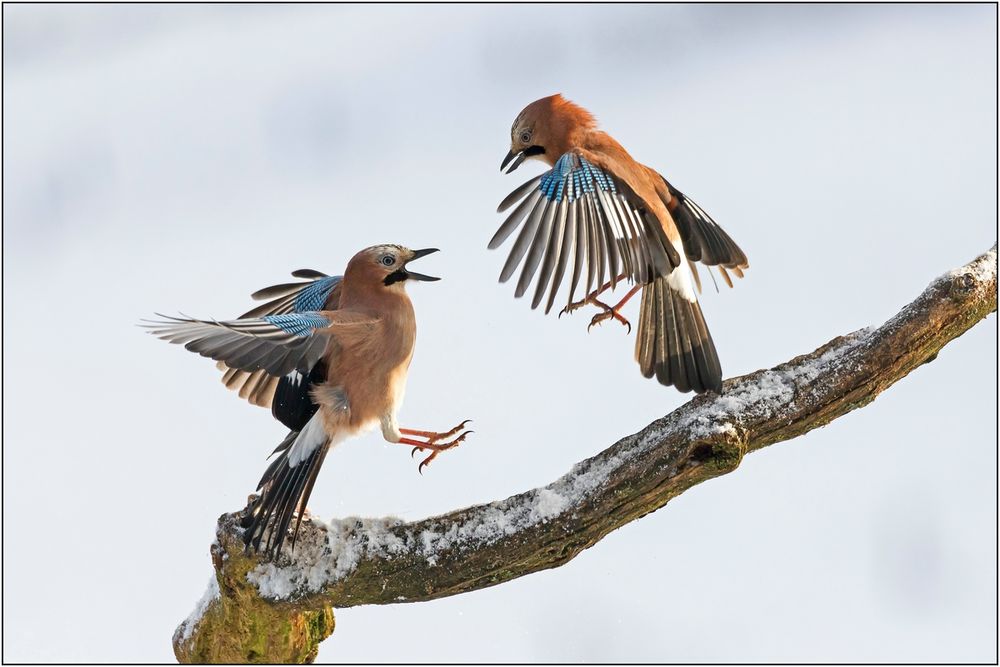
{"points": [[312, 274], [704, 239]]}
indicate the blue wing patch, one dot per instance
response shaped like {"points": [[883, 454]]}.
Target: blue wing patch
{"points": [[298, 324], [574, 176], [578, 220], [314, 295]]}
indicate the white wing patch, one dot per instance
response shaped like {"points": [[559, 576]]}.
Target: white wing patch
{"points": [[680, 279]]}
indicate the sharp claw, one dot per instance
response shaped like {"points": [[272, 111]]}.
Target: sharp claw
{"points": [[438, 448], [607, 315], [572, 306]]}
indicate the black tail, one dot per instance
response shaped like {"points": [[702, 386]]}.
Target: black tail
{"points": [[673, 342], [284, 491]]}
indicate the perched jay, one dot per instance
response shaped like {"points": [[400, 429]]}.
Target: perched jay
{"points": [[601, 217], [365, 346]]}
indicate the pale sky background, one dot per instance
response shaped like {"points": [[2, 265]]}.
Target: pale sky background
{"points": [[176, 158]]}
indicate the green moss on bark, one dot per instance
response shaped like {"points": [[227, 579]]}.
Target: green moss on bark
{"points": [[242, 627]]}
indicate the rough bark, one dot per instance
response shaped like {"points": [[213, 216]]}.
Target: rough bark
{"points": [[279, 612]]}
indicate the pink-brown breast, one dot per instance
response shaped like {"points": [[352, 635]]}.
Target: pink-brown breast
{"points": [[372, 369]]}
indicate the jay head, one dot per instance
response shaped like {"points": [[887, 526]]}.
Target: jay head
{"points": [[385, 264], [598, 218], [545, 130], [330, 356]]}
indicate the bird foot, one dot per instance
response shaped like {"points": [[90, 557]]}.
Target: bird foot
{"points": [[432, 442], [447, 434], [438, 448], [592, 297], [574, 306], [607, 314]]}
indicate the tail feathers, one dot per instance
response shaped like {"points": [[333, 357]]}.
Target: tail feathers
{"points": [[673, 342], [285, 489]]}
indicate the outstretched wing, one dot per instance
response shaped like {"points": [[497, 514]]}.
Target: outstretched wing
{"points": [[275, 344], [319, 292], [581, 216], [704, 240]]}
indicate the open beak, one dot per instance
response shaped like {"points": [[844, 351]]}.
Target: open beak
{"points": [[417, 254], [518, 158]]}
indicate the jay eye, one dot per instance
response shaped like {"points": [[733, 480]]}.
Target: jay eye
{"points": [[526, 136], [388, 260]]}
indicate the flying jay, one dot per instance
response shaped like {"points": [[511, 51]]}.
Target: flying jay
{"points": [[600, 217]]}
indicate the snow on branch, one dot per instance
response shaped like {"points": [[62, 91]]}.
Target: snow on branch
{"points": [[357, 561]]}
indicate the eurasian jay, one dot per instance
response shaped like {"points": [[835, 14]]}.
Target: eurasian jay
{"points": [[613, 219], [364, 345]]}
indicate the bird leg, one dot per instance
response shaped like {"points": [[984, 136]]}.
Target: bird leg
{"points": [[592, 297], [432, 442], [613, 311]]}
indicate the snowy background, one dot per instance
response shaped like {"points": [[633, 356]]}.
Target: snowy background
{"points": [[166, 158]]}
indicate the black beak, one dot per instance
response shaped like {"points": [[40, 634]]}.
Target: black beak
{"points": [[417, 254], [511, 155]]}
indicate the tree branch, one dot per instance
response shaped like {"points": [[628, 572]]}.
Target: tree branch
{"points": [[280, 612]]}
